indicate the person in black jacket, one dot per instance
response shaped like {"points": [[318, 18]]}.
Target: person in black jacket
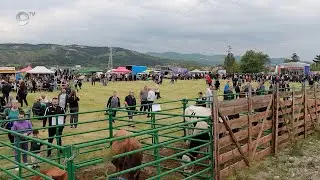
{"points": [[201, 101], [35, 148], [74, 108], [34, 86], [238, 91], [55, 122], [130, 101], [22, 93], [114, 102], [6, 89]]}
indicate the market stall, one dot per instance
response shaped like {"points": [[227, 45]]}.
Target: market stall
{"points": [[121, 70], [25, 69], [294, 68], [8, 73], [197, 71], [40, 70]]}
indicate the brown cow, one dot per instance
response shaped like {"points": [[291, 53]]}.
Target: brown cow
{"points": [[55, 173], [130, 161]]}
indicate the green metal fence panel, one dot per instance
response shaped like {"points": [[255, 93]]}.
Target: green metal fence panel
{"points": [[163, 137]]}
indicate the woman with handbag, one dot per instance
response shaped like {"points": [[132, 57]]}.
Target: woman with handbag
{"points": [[22, 93], [73, 101]]}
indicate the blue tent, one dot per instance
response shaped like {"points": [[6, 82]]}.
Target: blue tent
{"points": [[138, 69], [19, 76]]}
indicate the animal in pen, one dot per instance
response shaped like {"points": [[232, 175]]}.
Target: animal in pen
{"points": [[130, 161], [54, 172], [198, 135], [202, 111]]}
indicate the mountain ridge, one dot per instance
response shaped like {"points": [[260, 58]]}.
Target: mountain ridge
{"points": [[215, 59], [22, 54]]}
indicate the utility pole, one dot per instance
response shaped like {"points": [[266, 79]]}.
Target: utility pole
{"points": [[110, 62], [229, 49]]}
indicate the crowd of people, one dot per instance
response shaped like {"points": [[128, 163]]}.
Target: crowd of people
{"points": [[68, 101]]}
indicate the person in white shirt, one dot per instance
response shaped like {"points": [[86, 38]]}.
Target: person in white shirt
{"points": [[209, 96], [62, 99], [157, 91], [151, 98]]}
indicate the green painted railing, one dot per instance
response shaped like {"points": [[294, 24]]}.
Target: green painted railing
{"points": [[163, 130]]}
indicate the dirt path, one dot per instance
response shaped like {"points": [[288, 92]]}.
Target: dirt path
{"points": [[302, 162]]}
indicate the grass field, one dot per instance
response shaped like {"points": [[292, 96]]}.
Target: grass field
{"points": [[95, 98]]}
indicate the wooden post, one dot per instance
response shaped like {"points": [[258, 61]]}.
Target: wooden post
{"points": [[315, 105], [292, 118], [276, 118], [215, 118], [249, 122], [305, 99]]}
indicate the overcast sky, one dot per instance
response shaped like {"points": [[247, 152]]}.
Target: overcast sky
{"points": [[277, 27]]}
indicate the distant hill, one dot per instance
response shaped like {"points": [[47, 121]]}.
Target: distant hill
{"points": [[70, 55], [204, 59]]}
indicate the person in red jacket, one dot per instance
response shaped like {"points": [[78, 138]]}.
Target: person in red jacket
{"points": [[209, 80]]}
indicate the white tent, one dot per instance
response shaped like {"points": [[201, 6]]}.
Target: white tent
{"points": [[40, 70], [198, 71]]}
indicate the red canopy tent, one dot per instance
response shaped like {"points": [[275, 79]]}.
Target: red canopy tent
{"points": [[25, 69], [121, 70]]}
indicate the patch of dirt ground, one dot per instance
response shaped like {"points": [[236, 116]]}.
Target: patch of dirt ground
{"points": [[300, 162], [99, 172]]}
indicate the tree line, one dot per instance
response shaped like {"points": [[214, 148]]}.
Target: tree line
{"points": [[255, 62]]}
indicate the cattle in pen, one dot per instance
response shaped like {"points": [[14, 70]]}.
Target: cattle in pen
{"points": [[130, 161]]}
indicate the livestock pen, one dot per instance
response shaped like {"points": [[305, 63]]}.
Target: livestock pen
{"points": [[162, 136], [264, 124]]}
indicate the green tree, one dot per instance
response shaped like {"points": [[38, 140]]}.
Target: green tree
{"points": [[317, 59], [294, 58], [253, 62], [236, 67], [315, 67], [229, 61]]}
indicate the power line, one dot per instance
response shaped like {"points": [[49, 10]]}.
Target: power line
{"points": [[110, 62], [194, 7]]}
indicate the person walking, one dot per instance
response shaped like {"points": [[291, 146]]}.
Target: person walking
{"points": [[238, 90], [73, 101], [22, 93], [55, 122], [34, 86], [151, 98], [93, 80], [114, 102], [130, 103], [24, 127], [63, 99], [157, 91], [143, 99], [209, 96]]}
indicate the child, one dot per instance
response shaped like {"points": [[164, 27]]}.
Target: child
{"points": [[35, 148], [24, 127], [201, 101]]}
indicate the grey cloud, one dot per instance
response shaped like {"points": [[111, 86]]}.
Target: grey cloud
{"points": [[278, 28]]}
